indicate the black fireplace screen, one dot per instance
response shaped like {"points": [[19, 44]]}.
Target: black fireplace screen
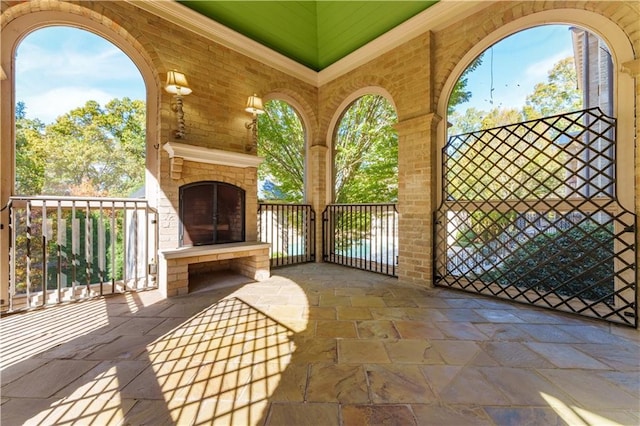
{"points": [[211, 213]]}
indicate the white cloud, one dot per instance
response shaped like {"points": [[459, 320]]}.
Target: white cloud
{"points": [[538, 71], [106, 63], [49, 105], [55, 74]]}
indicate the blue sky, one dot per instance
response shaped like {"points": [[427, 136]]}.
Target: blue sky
{"points": [[60, 68], [519, 62]]}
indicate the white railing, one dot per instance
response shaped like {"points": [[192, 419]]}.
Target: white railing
{"points": [[70, 248]]}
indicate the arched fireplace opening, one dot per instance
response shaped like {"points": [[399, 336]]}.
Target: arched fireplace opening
{"points": [[211, 212]]}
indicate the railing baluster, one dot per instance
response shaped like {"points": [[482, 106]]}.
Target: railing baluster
{"points": [[136, 233], [60, 241], [114, 240], [125, 256], [88, 247], [146, 244], [101, 247], [44, 229], [28, 253], [74, 248], [12, 267]]}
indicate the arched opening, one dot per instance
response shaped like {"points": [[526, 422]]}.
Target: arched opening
{"points": [[531, 202], [73, 237], [365, 152], [360, 229], [80, 116], [283, 219], [281, 141]]}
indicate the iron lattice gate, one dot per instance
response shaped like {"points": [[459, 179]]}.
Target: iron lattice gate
{"points": [[530, 213]]}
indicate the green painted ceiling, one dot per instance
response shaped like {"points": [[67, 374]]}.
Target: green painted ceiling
{"points": [[313, 33]]}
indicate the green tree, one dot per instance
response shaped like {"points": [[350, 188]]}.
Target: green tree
{"points": [[474, 119], [459, 94], [90, 151], [31, 155], [467, 122], [366, 153], [559, 94], [506, 177], [500, 117], [509, 163], [281, 143]]}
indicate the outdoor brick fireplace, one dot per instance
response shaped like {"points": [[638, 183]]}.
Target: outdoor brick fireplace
{"points": [[208, 218], [211, 213]]}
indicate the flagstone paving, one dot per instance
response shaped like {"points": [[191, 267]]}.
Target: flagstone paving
{"points": [[315, 344]]}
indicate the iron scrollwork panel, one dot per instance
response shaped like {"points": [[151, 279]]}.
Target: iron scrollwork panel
{"points": [[530, 213]]}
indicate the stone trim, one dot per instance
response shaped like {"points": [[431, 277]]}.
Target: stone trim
{"points": [[632, 68], [178, 152]]}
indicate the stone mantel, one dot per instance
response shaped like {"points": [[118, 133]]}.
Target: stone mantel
{"points": [[178, 152]]}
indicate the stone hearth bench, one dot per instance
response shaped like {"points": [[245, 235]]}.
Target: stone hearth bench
{"points": [[250, 259]]}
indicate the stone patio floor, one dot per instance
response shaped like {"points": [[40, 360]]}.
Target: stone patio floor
{"points": [[315, 344]]}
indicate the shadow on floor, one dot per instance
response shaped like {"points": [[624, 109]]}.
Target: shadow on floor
{"points": [[315, 344]]}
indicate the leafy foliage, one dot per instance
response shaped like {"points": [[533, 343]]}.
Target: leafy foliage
{"points": [[578, 263], [559, 94], [366, 153], [281, 143], [91, 151], [31, 153], [459, 95]]}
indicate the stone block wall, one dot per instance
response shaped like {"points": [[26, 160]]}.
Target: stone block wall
{"points": [[415, 74]]}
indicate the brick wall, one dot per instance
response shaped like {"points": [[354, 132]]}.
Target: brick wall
{"points": [[414, 73]]}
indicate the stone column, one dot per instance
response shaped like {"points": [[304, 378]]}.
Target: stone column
{"points": [[417, 186], [317, 189]]}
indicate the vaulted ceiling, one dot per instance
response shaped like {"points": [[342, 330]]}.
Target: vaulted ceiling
{"points": [[315, 34]]}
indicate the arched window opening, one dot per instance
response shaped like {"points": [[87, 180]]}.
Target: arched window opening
{"points": [[534, 73], [80, 117], [281, 141], [530, 210], [366, 153], [77, 206]]}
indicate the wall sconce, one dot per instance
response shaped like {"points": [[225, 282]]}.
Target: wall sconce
{"points": [[177, 85], [254, 106]]}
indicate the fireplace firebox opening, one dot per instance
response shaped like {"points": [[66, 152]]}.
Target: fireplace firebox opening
{"points": [[211, 213]]}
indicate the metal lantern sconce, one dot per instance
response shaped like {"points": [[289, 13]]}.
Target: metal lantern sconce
{"points": [[254, 106], [177, 85]]}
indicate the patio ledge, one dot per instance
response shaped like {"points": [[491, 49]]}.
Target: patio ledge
{"points": [[182, 252]]}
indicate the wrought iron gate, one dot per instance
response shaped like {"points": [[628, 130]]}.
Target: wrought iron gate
{"points": [[291, 231], [361, 236], [530, 213]]}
